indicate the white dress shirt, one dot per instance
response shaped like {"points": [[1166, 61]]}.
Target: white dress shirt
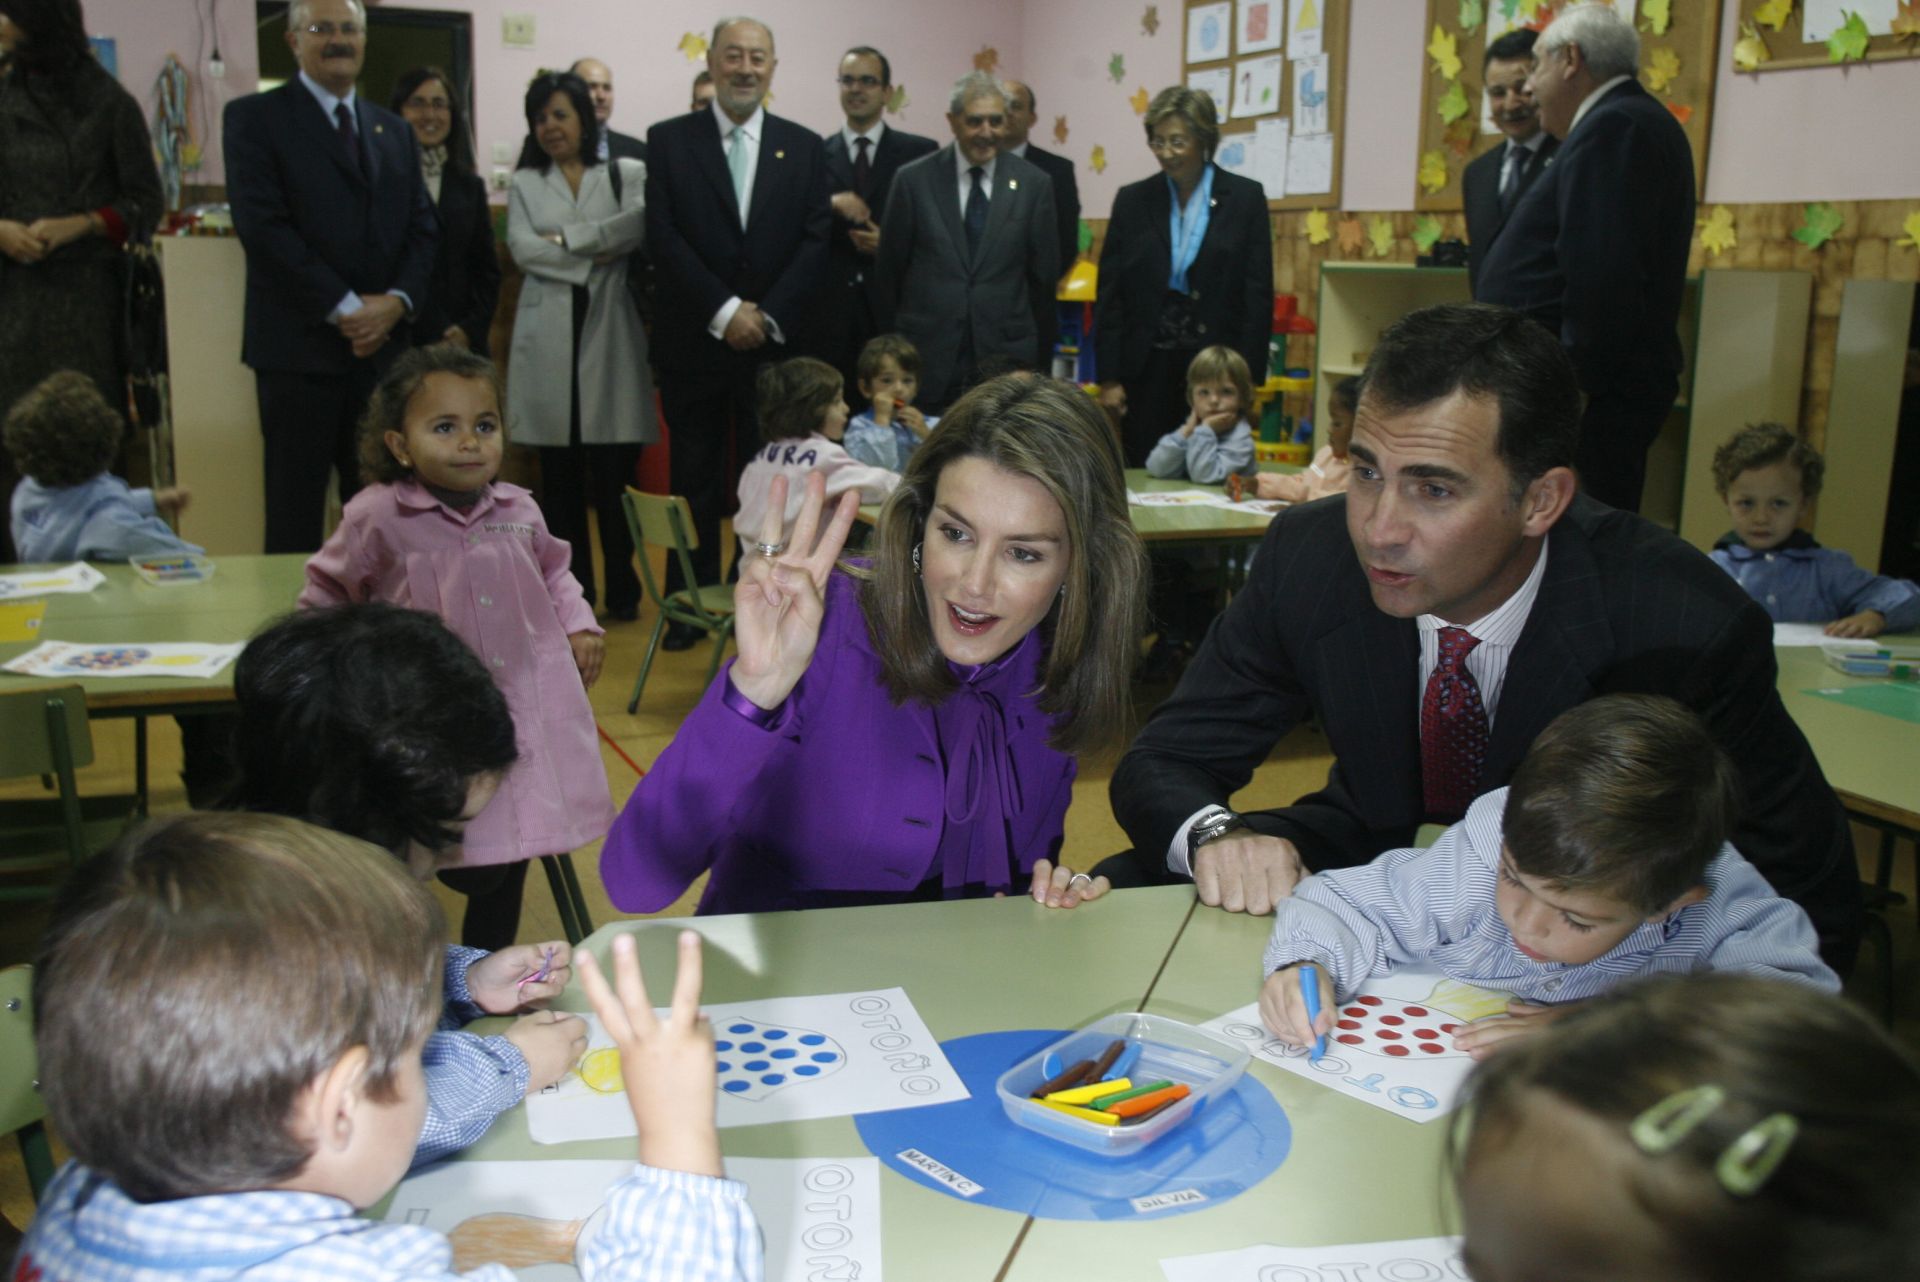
{"points": [[966, 179], [849, 135], [752, 128]]}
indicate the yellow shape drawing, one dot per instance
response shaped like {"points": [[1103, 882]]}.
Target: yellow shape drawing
{"points": [[1433, 171], [694, 46], [1774, 13], [1307, 17], [1717, 235], [1444, 49], [1453, 103], [1138, 101], [1318, 233], [1662, 67], [1098, 160], [1464, 1001], [1750, 50], [1658, 15], [1380, 237], [600, 1070], [1911, 226]]}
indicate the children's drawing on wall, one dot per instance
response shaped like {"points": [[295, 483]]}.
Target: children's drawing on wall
{"points": [[1306, 28], [1310, 92], [1262, 25], [1208, 28], [1427, 1259], [1256, 86], [1215, 82]]}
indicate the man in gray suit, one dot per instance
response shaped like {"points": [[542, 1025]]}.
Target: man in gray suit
{"points": [[967, 247]]}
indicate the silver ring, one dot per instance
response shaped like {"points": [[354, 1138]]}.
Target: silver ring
{"points": [[1077, 878], [770, 549]]}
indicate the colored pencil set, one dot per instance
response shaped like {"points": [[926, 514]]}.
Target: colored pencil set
{"points": [[1102, 1092]]}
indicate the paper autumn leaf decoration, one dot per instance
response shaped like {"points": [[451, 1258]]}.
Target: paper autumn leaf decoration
{"points": [[1433, 171], [1444, 49], [1911, 226], [897, 100], [1380, 237], [987, 59], [1510, 10], [1098, 160], [1662, 67], [1060, 129], [1139, 100], [1906, 22], [1117, 67], [1774, 13], [1822, 221], [1657, 15], [1472, 14], [1150, 20], [1084, 237], [1352, 235], [694, 46], [1460, 135], [1317, 230], [1750, 50], [1848, 43], [1681, 112], [1716, 232], [1453, 103], [1426, 231]]}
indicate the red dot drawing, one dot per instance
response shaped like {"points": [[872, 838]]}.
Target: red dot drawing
{"points": [[1387, 1026]]}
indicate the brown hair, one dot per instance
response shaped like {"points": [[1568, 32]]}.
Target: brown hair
{"points": [[1196, 107], [1054, 434], [794, 397], [1763, 445], [63, 432], [882, 347], [200, 972], [1843, 1204], [387, 407], [1218, 364], [1626, 794]]}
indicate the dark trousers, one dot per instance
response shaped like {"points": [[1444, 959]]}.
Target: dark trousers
{"points": [[714, 433], [574, 478], [1615, 434], [493, 892], [1156, 402], [309, 425]]}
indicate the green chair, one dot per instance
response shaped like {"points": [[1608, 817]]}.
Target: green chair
{"points": [[44, 733], [663, 521], [21, 1107]]}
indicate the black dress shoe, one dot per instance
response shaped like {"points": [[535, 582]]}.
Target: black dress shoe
{"points": [[682, 636], [623, 613]]}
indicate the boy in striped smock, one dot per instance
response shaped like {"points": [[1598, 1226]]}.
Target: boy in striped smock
{"points": [[1605, 859]]}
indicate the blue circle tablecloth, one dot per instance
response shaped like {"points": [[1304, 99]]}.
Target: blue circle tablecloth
{"points": [[1217, 1154]]}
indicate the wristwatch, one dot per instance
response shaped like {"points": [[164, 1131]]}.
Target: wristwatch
{"points": [[1211, 828]]}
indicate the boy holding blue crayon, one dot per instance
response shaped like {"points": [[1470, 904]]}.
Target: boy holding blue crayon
{"points": [[1606, 859]]}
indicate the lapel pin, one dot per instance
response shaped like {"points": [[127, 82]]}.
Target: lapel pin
{"points": [[1013, 184], [379, 129], [779, 155]]}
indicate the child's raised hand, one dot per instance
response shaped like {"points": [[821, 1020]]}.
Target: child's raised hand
{"points": [[1193, 421], [552, 1044], [916, 421], [780, 599], [172, 501], [1284, 1011], [883, 410], [1484, 1036], [668, 1065], [589, 651], [511, 979], [1867, 623], [1222, 423]]}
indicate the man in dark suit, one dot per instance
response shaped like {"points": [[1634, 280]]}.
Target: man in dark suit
{"points": [[967, 249], [737, 224], [614, 145], [1493, 184], [862, 158], [1597, 249], [339, 236], [1436, 617], [1021, 116]]}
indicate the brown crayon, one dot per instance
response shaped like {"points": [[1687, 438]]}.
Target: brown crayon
{"points": [[1105, 1062], [1071, 1077]]}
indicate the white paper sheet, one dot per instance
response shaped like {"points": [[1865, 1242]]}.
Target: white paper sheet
{"points": [[1821, 18], [1261, 25], [1312, 91], [1270, 138], [1256, 86], [1310, 165], [1800, 634], [1216, 83], [782, 1059], [1210, 31], [1393, 1047], [78, 577], [125, 659], [1306, 27], [1425, 1259], [820, 1217]]}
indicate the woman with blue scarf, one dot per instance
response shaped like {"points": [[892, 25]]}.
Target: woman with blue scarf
{"points": [[1187, 263]]}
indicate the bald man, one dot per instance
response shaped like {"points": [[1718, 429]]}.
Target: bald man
{"points": [[613, 144]]}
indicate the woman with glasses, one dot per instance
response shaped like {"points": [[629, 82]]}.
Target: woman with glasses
{"points": [[1187, 263], [466, 267]]}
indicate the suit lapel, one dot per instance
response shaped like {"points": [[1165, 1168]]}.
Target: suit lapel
{"points": [[322, 132], [1374, 660], [839, 164], [1006, 192], [372, 135], [710, 154], [768, 173], [1565, 641], [946, 200], [1159, 210]]}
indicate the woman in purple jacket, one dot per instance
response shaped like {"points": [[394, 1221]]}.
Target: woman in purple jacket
{"points": [[903, 728]]}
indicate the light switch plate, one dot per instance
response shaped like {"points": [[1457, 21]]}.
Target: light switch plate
{"points": [[503, 153], [502, 178], [516, 29]]}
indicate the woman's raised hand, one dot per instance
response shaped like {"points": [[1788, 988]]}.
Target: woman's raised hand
{"points": [[781, 597]]}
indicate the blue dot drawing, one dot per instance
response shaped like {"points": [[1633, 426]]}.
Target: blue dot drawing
{"points": [[824, 1057], [1209, 33], [772, 1079], [785, 1052], [735, 1086], [740, 1028], [751, 1048], [1234, 153], [806, 1070], [760, 1064], [812, 1039], [722, 1067], [756, 1066], [723, 1046], [775, 1034]]}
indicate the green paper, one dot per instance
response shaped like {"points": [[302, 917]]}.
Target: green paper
{"points": [[1086, 235], [1848, 43], [1117, 67], [1658, 15], [1453, 103], [1822, 221], [1472, 13], [1426, 231], [1899, 700]]}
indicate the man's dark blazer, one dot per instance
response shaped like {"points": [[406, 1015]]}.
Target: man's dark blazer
{"points": [[1230, 282], [625, 147], [1623, 606], [466, 265], [315, 225], [700, 256], [851, 302], [640, 282], [1480, 189], [935, 292], [1596, 250], [1066, 199]]}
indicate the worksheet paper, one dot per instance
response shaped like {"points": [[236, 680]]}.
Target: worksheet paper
{"points": [[1392, 1045], [1309, 164], [125, 659], [1425, 1259], [820, 1217], [78, 577], [1792, 634], [783, 1059]]}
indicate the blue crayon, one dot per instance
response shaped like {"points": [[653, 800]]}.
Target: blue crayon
{"points": [[1310, 993], [1124, 1065]]}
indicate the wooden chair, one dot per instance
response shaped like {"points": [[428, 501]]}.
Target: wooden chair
{"points": [[665, 521], [22, 1110], [44, 733]]}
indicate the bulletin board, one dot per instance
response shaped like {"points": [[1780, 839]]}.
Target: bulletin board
{"points": [[1774, 33], [1273, 67], [1677, 66]]}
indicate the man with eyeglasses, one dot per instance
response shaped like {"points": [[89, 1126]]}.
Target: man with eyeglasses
{"points": [[862, 158], [737, 226], [339, 235]]}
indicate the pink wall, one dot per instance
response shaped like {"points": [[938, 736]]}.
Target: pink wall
{"points": [[146, 31]]}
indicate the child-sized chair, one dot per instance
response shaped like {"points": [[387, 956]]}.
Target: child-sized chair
{"points": [[21, 1107], [665, 521], [43, 732]]}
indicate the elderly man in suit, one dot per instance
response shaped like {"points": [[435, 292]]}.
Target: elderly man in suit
{"points": [[1597, 249], [1493, 184], [737, 224], [614, 145], [1066, 200], [862, 158], [967, 250], [1436, 617], [339, 236]]}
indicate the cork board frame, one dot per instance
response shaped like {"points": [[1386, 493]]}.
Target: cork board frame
{"points": [[1788, 49], [1693, 36]]}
